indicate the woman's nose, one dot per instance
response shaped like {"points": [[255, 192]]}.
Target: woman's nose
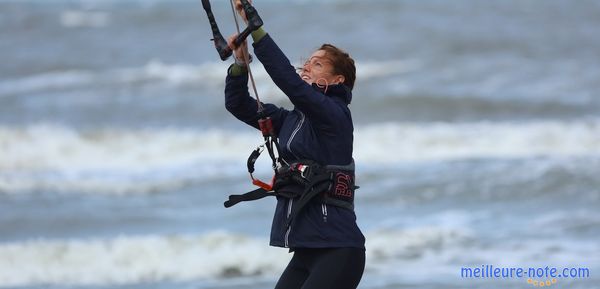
{"points": [[306, 67]]}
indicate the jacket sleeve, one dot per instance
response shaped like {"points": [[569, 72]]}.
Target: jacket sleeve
{"points": [[239, 103], [319, 107]]}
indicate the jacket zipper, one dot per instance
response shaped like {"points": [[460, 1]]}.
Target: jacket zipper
{"points": [[324, 209], [291, 201], [289, 229], [294, 134]]}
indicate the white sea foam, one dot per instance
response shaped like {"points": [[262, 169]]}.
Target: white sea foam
{"points": [[136, 259], [372, 69], [46, 81], [397, 142], [73, 18], [117, 161], [410, 77], [413, 243], [154, 71], [51, 157], [207, 74]]}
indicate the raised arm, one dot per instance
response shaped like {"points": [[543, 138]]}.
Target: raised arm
{"points": [[244, 107], [319, 107]]}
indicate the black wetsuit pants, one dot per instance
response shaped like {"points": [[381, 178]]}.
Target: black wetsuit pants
{"points": [[330, 268]]}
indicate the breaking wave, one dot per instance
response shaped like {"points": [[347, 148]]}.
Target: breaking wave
{"points": [[215, 255], [58, 158]]}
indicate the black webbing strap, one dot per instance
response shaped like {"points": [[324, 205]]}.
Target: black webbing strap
{"points": [[314, 188], [249, 196], [338, 203]]}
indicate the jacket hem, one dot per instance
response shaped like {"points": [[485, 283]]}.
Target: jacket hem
{"points": [[319, 245]]}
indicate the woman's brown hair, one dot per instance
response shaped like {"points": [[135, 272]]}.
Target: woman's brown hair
{"points": [[343, 64]]}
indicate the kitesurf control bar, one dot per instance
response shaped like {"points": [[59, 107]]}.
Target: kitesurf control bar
{"points": [[254, 22], [220, 43], [265, 122]]}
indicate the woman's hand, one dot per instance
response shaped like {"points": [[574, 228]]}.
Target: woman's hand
{"points": [[239, 52], [240, 10]]}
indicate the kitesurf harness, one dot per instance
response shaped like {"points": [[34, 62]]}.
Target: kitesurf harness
{"points": [[304, 179]]}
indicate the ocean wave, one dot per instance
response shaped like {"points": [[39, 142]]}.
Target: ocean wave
{"points": [[136, 259], [485, 78], [444, 141], [373, 69], [57, 158], [214, 255], [47, 157], [434, 107], [153, 71], [73, 18], [470, 85], [413, 252], [173, 74]]}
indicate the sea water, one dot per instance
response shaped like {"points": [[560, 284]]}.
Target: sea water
{"points": [[477, 141]]}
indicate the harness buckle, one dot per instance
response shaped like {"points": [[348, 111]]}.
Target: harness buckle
{"points": [[303, 169], [250, 163]]}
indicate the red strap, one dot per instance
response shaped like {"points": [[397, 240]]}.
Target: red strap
{"points": [[263, 185]]}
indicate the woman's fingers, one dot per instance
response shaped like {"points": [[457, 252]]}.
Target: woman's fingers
{"points": [[238, 51], [240, 10], [231, 41]]}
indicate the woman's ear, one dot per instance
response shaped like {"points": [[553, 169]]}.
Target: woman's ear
{"points": [[339, 79]]}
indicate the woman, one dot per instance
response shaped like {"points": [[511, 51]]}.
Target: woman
{"points": [[328, 246]]}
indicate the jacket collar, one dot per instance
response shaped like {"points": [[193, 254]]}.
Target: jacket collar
{"points": [[340, 91]]}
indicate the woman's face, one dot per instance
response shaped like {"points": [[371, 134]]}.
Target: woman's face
{"points": [[319, 69]]}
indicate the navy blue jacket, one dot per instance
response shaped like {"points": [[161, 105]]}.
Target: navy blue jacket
{"points": [[318, 128]]}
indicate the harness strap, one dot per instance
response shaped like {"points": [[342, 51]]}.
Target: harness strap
{"points": [[249, 196], [338, 203], [314, 188]]}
